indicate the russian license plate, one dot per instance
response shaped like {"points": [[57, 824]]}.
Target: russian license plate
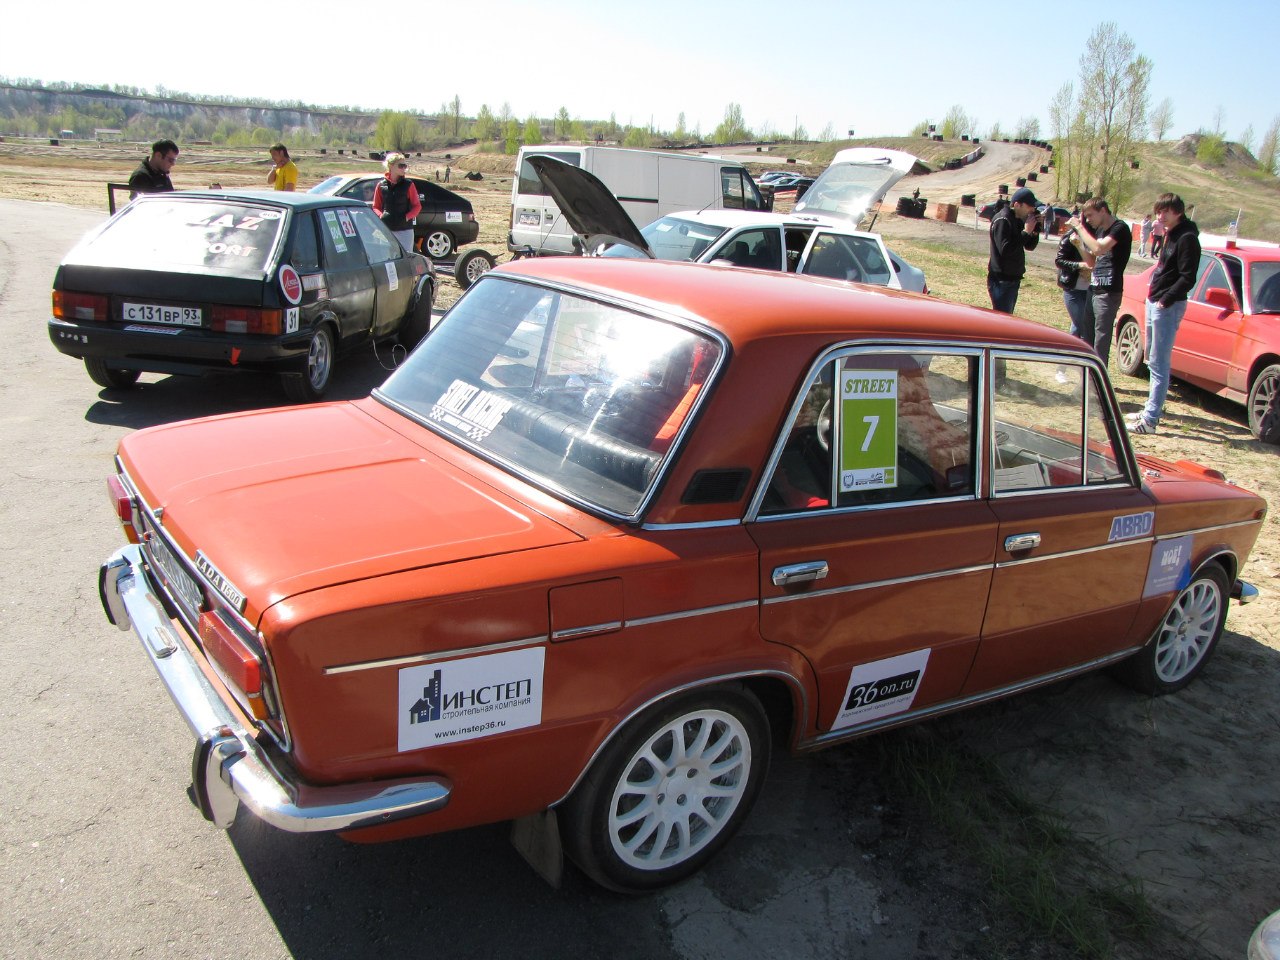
{"points": [[181, 583], [155, 313], [529, 219]]}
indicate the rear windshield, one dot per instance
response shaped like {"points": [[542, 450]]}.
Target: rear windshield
{"points": [[327, 186], [230, 238], [529, 180]]}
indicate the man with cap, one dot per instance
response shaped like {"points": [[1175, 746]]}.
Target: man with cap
{"points": [[1107, 244], [1013, 232]]}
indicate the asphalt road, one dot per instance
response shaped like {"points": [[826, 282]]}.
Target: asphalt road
{"points": [[103, 855]]}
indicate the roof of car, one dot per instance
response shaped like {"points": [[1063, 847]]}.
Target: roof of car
{"points": [[732, 219], [284, 198], [756, 305], [1246, 250]]}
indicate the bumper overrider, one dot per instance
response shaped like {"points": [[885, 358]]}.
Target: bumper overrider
{"points": [[230, 767]]}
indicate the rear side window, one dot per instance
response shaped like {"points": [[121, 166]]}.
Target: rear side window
{"points": [[306, 248], [233, 239], [340, 240]]}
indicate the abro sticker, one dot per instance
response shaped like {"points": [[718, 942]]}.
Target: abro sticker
{"points": [[468, 699], [882, 688], [1132, 526]]}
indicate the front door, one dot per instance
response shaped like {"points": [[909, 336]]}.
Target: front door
{"points": [[393, 273]]}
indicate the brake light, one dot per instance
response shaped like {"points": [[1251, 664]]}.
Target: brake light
{"points": [[246, 320], [238, 664], [123, 505], [79, 306]]}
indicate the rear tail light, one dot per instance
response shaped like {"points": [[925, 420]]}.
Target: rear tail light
{"points": [[124, 506], [79, 306], [239, 665], [246, 320]]}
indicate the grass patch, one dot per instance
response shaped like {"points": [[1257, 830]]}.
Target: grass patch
{"points": [[1056, 882]]}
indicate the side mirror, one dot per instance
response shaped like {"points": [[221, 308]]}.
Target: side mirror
{"points": [[1220, 297]]}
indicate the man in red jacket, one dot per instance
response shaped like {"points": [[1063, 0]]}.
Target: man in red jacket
{"points": [[1173, 279]]}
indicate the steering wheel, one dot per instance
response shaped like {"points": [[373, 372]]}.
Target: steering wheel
{"points": [[822, 427]]}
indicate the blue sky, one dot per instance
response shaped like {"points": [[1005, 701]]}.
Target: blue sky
{"points": [[870, 67]]}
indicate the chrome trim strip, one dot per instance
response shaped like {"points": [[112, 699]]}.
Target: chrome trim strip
{"points": [[237, 769], [575, 632], [1219, 526], [429, 657], [701, 525], [949, 706], [872, 585], [697, 612], [1074, 553]]}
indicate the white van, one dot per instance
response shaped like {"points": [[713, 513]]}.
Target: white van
{"points": [[647, 183]]}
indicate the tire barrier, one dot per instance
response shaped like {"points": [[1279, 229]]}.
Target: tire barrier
{"points": [[1044, 168], [969, 200], [1021, 181], [913, 208], [1002, 189], [1032, 175]]}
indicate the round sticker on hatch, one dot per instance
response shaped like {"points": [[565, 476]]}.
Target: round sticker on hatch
{"points": [[290, 283]]}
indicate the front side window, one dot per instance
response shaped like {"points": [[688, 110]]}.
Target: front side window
{"points": [[576, 395], [880, 428], [738, 190], [1213, 276], [1053, 428], [380, 244], [760, 248]]}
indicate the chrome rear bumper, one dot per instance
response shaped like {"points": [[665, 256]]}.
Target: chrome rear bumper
{"points": [[230, 766]]}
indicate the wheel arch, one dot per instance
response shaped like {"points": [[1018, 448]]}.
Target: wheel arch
{"points": [[1260, 363]]}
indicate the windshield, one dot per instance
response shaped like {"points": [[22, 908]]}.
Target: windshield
{"points": [[582, 397], [847, 189], [230, 238], [1264, 286], [327, 187], [671, 238]]}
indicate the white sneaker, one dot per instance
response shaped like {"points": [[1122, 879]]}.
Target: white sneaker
{"points": [[1140, 426]]}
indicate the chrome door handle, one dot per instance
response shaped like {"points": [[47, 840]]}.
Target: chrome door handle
{"points": [[1021, 541], [794, 573]]}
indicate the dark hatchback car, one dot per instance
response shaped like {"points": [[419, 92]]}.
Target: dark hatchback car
{"points": [[446, 222], [192, 283]]}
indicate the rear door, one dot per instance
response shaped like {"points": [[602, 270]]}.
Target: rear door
{"points": [[535, 218], [848, 256]]}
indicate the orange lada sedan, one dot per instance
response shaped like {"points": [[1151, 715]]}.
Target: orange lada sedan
{"points": [[618, 527]]}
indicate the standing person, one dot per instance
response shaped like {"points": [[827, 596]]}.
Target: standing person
{"points": [[284, 172], [1108, 243], [152, 175], [1073, 280], [1172, 280], [1146, 235], [1013, 232], [396, 200], [1157, 239]]}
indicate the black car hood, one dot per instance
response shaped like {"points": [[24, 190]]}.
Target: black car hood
{"points": [[586, 202]]}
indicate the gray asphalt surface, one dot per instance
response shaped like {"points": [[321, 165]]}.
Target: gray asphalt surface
{"points": [[103, 855]]}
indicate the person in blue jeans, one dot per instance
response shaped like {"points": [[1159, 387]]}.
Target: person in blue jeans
{"points": [[1013, 232], [1174, 276]]}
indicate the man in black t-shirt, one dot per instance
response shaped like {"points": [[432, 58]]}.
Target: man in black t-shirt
{"points": [[152, 175], [1108, 250]]}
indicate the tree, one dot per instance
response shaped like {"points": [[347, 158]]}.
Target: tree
{"points": [[1269, 150], [456, 105], [828, 132], [562, 123], [397, 130], [732, 129], [532, 131], [1220, 121], [1028, 128], [637, 137], [995, 133], [681, 133], [957, 123], [1162, 118], [485, 127]]}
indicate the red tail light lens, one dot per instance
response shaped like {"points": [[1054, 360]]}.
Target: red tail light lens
{"points": [[246, 320], [122, 503], [237, 663], [79, 306]]}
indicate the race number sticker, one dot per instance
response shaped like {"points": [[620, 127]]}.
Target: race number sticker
{"points": [[393, 278], [1170, 567], [467, 699], [348, 227], [335, 232], [291, 320], [882, 688], [868, 429], [470, 410]]}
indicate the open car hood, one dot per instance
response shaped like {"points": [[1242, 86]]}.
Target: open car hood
{"points": [[856, 181], [592, 211]]}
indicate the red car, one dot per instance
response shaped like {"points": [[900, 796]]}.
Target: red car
{"points": [[616, 528], [1229, 340]]}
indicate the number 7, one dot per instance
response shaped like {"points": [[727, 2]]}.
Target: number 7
{"points": [[872, 423]]}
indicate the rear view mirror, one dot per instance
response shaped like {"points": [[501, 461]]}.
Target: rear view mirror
{"points": [[1220, 297]]}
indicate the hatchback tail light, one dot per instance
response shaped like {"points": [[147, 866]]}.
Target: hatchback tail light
{"points": [[123, 504], [246, 320], [79, 306], [239, 665]]}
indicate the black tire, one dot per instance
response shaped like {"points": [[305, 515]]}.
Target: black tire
{"points": [[471, 266], [1185, 639], [418, 322], [1129, 356], [311, 383], [438, 244], [1264, 405], [713, 746], [105, 376]]}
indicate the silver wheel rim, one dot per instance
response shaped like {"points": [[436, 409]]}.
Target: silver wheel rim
{"points": [[1187, 631], [679, 791], [1264, 395], [439, 244], [319, 359], [477, 267], [1129, 346]]}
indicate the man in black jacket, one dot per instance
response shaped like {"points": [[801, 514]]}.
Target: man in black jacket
{"points": [[152, 175], [1013, 232], [1174, 276]]}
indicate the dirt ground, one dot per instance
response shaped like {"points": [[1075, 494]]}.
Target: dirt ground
{"points": [[1177, 795]]}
